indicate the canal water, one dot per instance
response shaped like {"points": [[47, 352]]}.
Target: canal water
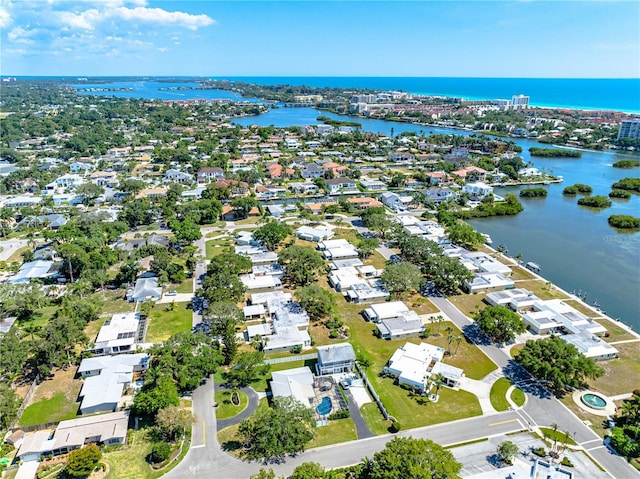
{"points": [[575, 247]]}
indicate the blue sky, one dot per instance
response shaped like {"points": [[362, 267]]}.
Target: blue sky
{"points": [[573, 39]]}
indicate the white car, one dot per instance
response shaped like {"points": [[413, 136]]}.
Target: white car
{"points": [[173, 292]]}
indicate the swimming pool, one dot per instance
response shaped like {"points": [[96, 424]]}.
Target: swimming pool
{"points": [[325, 406]]}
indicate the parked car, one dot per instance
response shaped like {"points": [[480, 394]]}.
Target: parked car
{"points": [[173, 292]]}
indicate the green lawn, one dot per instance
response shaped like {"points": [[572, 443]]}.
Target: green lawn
{"points": [[518, 397], [225, 407], [376, 260], [616, 332], [129, 461], [93, 328], [498, 394], [413, 410], [164, 323], [218, 246], [469, 303], [340, 430], [558, 435], [185, 287], [373, 417], [57, 408], [540, 289], [620, 374]]}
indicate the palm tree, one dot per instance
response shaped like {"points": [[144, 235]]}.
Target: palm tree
{"points": [[438, 319], [439, 380], [450, 338], [458, 340]]}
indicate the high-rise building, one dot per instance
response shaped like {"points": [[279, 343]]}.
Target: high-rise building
{"points": [[629, 129], [519, 102]]}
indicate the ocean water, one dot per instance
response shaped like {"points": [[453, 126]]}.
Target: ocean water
{"points": [[588, 94]]}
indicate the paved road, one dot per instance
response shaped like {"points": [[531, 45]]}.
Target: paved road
{"points": [[199, 272], [11, 246], [248, 411]]}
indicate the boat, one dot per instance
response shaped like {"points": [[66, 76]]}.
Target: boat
{"points": [[487, 238], [533, 267]]}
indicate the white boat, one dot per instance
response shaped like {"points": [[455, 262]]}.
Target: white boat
{"points": [[532, 266], [487, 238]]}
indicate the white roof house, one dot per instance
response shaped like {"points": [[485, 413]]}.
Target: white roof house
{"points": [[262, 329], [105, 379], [555, 315], [264, 298], [488, 282], [591, 345], [477, 190], [296, 383], [365, 292], [265, 282], [337, 249], [286, 338], [118, 334], [380, 311], [313, 234], [516, 299], [254, 310], [414, 364], [395, 328], [486, 264]]}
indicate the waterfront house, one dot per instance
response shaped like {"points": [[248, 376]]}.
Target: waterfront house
{"points": [[477, 191], [341, 185], [471, 174]]}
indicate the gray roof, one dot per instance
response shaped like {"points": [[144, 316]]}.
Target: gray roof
{"points": [[34, 270], [146, 288], [335, 353]]}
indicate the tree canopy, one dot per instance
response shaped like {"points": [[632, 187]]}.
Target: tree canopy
{"points": [[402, 277], [302, 264], [272, 233], [317, 301], [410, 458], [499, 323], [557, 362], [83, 461], [275, 432]]}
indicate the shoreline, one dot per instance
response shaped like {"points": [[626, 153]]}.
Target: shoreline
{"points": [[571, 296]]}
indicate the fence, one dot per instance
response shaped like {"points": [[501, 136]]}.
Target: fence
{"points": [[25, 401], [373, 392], [291, 359]]}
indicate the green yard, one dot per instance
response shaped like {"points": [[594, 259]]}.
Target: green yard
{"points": [[541, 289], [225, 407], [218, 246], [620, 374], [129, 461], [616, 332], [164, 322], [518, 397], [340, 430], [469, 303], [373, 417], [55, 399]]}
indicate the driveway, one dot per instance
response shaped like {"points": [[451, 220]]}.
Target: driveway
{"points": [[248, 411], [176, 298], [11, 246], [362, 430]]}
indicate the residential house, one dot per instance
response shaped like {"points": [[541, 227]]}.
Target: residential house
{"points": [[177, 176], [311, 171], [207, 175], [373, 185], [482, 282], [415, 364], [477, 191], [151, 193], [439, 195], [337, 249], [401, 157], [38, 269], [308, 233], [145, 289], [296, 383], [107, 179], [471, 174], [306, 187], [335, 359], [52, 221], [108, 429], [364, 202], [438, 178], [80, 167], [102, 392], [396, 202], [130, 244], [119, 334], [341, 185]]}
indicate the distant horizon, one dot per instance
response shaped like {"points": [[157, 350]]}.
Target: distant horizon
{"points": [[220, 76]]}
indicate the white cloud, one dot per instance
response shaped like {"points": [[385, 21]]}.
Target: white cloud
{"points": [[5, 18], [88, 19], [20, 35]]}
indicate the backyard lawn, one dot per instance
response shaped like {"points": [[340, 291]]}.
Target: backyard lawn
{"points": [[469, 303], [218, 246], [92, 329], [164, 323], [616, 332], [541, 289], [373, 417], [54, 399]]}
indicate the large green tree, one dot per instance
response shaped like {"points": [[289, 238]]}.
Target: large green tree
{"points": [[272, 233], [409, 458], [558, 363], [302, 264], [402, 277], [283, 429], [463, 234], [247, 368], [317, 301], [499, 323], [223, 317]]}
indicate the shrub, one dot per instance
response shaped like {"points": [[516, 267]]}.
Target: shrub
{"points": [[333, 334], [540, 451], [577, 188], [160, 451], [297, 349], [595, 201], [395, 427], [533, 193], [83, 461], [342, 414], [566, 462]]}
